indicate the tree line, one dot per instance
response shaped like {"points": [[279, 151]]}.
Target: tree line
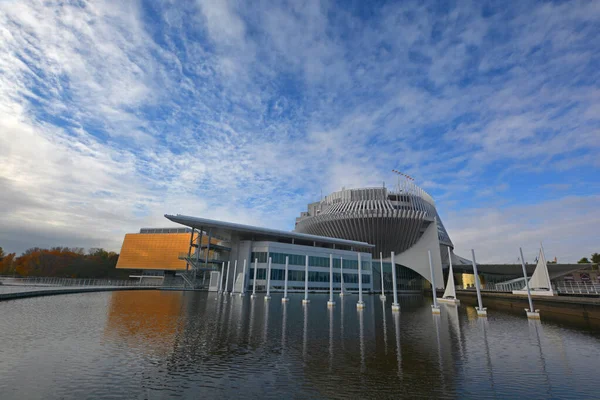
{"points": [[62, 262], [595, 258]]}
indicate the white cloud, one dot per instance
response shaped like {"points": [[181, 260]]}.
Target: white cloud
{"points": [[568, 228], [110, 117]]}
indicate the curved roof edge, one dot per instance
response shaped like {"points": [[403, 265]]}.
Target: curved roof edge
{"points": [[203, 223]]}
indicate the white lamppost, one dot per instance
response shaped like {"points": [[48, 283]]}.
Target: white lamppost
{"points": [[285, 297]]}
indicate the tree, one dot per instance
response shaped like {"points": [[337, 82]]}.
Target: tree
{"points": [[584, 260], [2, 253], [596, 258]]}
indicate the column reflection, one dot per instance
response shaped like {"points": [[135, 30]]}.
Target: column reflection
{"points": [[396, 317]]}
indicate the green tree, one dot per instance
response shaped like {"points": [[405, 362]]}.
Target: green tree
{"points": [[596, 258], [584, 260], [1, 253]]}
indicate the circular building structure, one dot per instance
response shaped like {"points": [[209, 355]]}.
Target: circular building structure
{"points": [[404, 221]]}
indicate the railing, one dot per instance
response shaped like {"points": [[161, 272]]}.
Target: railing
{"points": [[68, 282], [581, 288], [567, 287]]}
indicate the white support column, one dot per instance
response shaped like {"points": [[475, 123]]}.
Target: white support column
{"points": [[268, 296], [254, 280], [221, 278], [435, 309], [395, 305], [234, 277], [243, 291], [481, 311], [531, 313], [330, 303], [285, 298], [342, 293], [306, 300], [227, 277], [360, 304], [382, 297]]}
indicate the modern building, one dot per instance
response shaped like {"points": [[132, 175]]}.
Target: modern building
{"points": [[242, 248], [369, 223], [404, 221], [155, 253]]}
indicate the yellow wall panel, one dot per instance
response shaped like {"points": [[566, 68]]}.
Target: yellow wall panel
{"points": [[153, 251]]}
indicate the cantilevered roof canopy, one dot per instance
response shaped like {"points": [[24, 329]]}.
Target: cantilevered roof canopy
{"points": [[258, 233]]}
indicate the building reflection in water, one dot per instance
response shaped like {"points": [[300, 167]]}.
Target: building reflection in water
{"points": [[283, 326], [330, 312], [266, 324], [436, 322], [535, 328], [305, 333], [251, 320], [396, 316], [145, 319], [361, 324], [383, 316], [483, 325]]}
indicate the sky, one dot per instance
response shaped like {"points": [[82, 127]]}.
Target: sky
{"points": [[114, 113]]}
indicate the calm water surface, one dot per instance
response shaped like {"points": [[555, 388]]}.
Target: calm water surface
{"points": [[159, 345]]}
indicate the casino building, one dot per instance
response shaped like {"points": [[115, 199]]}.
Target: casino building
{"points": [[366, 223]]}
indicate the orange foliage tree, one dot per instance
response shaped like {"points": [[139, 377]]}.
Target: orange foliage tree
{"points": [[62, 262]]}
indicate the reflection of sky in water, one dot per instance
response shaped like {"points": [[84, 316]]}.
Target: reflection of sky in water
{"points": [[152, 344]]}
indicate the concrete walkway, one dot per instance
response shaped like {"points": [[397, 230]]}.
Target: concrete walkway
{"points": [[55, 291]]}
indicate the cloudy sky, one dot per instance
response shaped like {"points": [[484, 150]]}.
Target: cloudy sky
{"points": [[113, 113]]}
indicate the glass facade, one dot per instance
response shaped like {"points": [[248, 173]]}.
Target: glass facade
{"points": [[313, 276], [406, 278], [313, 261]]}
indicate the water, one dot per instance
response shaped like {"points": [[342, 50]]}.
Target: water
{"points": [[158, 345]]}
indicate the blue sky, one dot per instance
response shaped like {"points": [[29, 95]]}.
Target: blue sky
{"points": [[114, 113]]}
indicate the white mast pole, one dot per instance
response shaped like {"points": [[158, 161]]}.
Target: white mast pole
{"points": [[382, 297], [254, 280], [227, 277], [434, 308], [531, 313], [306, 300], [360, 304], [234, 277], [221, 278], [395, 305], [285, 299], [481, 311], [243, 292], [341, 277], [268, 296], [330, 303]]}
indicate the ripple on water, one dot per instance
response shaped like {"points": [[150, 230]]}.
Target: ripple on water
{"points": [[151, 345]]}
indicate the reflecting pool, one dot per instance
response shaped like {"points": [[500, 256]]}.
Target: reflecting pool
{"points": [[168, 344]]}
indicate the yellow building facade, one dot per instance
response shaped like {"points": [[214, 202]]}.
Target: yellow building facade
{"points": [[155, 251]]}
